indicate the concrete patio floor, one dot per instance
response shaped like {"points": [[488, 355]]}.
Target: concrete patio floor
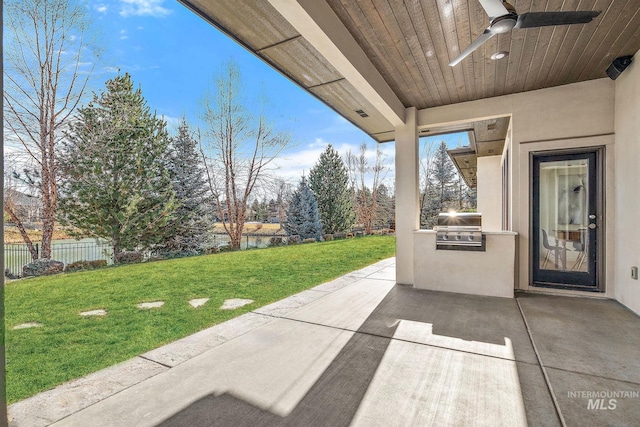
{"points": [[363, 351]]}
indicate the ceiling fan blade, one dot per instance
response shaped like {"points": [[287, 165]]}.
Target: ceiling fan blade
{"points": [[544, 19], [473, 46], [494, 8]]}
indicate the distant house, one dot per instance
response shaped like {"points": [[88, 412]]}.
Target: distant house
{"points": [[27, 207]]}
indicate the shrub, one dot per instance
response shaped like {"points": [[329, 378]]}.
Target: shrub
{"points": [[85, 265], [128, 257], [276, 241], [309, 240], [42, 267], [293, 240], [339, 235], [328, 237]]}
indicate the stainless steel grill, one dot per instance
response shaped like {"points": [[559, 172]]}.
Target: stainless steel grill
{"points": [[459, 230]]}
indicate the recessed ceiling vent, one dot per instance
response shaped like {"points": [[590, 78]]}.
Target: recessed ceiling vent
{"points": [[361, 113]]}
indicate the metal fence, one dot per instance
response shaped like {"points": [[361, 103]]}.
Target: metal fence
{"points": [[16, 255], [249, 240]]}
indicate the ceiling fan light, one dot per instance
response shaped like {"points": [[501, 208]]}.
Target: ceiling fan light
{"points": [[503, 24], [499, 55]]}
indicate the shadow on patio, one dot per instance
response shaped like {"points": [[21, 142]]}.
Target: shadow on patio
{"points": [[368, 352]]}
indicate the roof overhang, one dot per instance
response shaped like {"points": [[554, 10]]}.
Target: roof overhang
{"points": [[372, 61], [486, 138]]}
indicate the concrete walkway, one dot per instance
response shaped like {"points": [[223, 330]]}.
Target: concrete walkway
{"points": [[363, 351]]}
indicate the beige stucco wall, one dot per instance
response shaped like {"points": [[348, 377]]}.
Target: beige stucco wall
{"points": [[489, 192], [627, 190], [570, 116], [490, 272], [579, 109]]}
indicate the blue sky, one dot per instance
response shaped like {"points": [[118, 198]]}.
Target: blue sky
{"points": [[174, 55]]}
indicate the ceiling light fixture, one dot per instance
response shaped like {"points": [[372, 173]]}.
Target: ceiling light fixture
{"points": [[499, 55]]}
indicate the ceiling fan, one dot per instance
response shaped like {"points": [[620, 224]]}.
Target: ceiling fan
{"points": [[504, 18]]}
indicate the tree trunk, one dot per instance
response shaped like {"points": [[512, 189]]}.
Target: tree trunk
{"points": [[47, 48], [23, 232], [116, 252]]}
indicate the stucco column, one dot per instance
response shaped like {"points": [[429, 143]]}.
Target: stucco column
{"points": [[489, 174], [407, 208]]}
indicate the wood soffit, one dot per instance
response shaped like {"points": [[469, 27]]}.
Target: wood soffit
{"points": [[486, 137], [411, 42]]}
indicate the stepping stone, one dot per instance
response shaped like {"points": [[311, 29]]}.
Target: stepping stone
{"points": [[94, 313], [195, 303], [27, 325], [233, 303], [148, 305]]}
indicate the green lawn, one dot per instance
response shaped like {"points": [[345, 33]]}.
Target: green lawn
{"points": [[69, 346]]}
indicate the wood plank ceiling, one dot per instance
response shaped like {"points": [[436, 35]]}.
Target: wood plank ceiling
{"points": [[411, 43]]}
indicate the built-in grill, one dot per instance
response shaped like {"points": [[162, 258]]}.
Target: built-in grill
{"points": [[460, 231]]}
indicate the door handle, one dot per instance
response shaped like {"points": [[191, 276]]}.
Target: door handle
{"points": [[592, 226]]}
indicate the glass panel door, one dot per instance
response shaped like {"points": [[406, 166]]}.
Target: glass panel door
{"points": [[565, 221]]}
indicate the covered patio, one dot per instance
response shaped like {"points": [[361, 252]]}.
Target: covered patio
{"points": [[528, 80], [404, 342], [363, 351]]}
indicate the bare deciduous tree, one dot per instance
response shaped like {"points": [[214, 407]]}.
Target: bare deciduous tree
{"points": [[427, 150], [283, 192], [239, 148], [11, 202], [46, 47], [360, 171]]}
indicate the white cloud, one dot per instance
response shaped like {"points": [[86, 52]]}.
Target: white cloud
{"points": [[143, 8], [101, 8], [172, 122], [123, 35], [292, 164]]}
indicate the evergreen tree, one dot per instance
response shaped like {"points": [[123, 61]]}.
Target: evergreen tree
{"points": [[263, 213], [190, 229], [115, 183], [441, 191], [255, 210], [303, 218], [385, 214], [443, 176], [329, 180]]}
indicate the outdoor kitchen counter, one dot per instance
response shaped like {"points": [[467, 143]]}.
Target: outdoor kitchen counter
{"points": [[491, 272]]}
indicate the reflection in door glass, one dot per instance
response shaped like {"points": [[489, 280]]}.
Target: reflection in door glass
{"points": [[563, 215]]}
